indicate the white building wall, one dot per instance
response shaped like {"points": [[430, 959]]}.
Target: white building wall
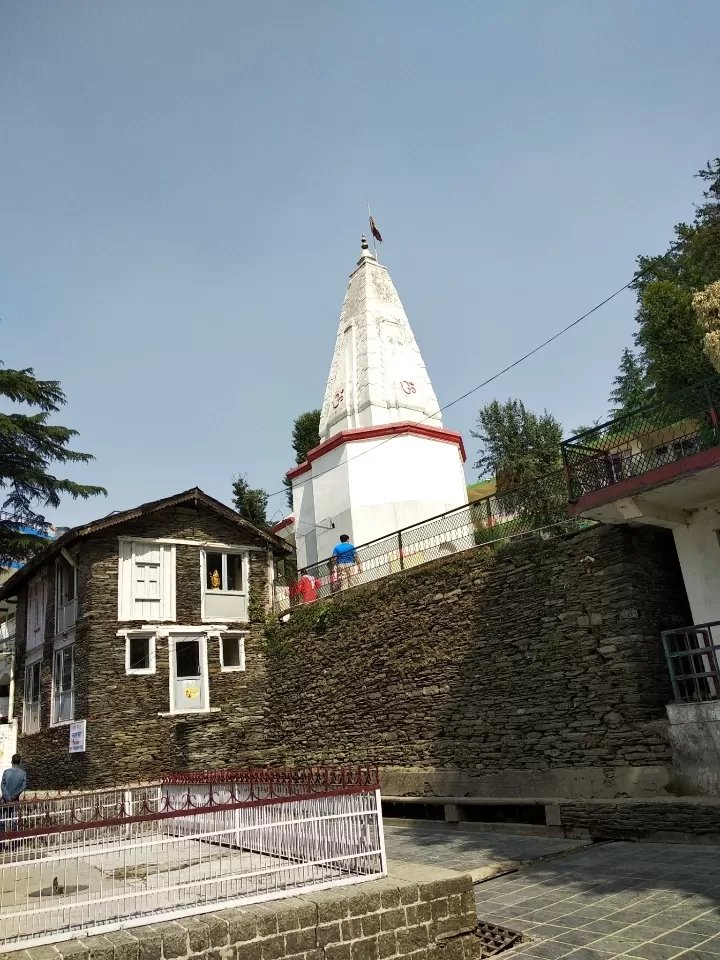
{"points": [[332, 499], [371, 488], [403, 481], [698, 549], [304, 513], [8, 743]]}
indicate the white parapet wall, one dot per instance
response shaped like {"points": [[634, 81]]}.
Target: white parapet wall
{"points": [[695, 738], [8, 742], [698, 548]]}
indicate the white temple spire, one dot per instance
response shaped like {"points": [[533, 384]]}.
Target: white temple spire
{"points": [[384, 460], [377, 375]]}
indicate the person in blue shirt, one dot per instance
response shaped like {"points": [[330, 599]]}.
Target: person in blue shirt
{"points": [[12, 787], [345, 561]]}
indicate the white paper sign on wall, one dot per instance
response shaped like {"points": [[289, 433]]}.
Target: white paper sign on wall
{"points": [[77, 736]]}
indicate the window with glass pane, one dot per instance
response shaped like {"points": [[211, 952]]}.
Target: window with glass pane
{"points": [[214, 570], [66, 582], [31, 700], [224, 572], [63, 686], [139, 653], [234, 571], [231, 652], [187, 659]]}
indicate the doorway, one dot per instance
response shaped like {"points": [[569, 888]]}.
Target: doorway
{"points": [[188, 674]]}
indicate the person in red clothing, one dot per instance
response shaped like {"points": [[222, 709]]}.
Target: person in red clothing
{"points": [[307, 588]]}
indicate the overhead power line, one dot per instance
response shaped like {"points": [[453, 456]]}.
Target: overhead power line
{"points": [[510, 366]]}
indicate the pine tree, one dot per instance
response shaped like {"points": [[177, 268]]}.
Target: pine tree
{"points": [[250, 502], [29, 447], [669, 338], [631, 388]]}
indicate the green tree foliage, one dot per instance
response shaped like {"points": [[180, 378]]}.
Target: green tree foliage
{"points": [[630, 389], [517, 445], [30, 446], [522, 450], [669, 339], [251, 503], [305, 436]]}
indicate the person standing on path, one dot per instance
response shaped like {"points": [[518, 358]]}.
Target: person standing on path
{"points": [[12, 787], [345, 561]]}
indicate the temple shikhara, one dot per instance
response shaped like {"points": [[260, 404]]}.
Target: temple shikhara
{"points": [[384, 461]]}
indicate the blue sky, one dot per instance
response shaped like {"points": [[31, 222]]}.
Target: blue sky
{"points": [[183, 188]]}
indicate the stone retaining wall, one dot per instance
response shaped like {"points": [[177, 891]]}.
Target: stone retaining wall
{"points": [[536, 670], [661, 820], [416, 913]]}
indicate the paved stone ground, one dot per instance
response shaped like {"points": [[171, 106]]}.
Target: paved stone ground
{"points": [[630, 900], [466, 849]]}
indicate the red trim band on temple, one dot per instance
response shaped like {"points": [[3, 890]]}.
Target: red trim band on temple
{"points": [[372, 433]]}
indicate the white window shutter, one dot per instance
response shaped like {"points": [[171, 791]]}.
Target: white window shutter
{"points": [[146, 581], [167, 582], [35, 633], [125, 586]]}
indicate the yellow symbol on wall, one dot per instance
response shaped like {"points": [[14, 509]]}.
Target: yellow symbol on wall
{"points": [[215, 580], [192, 693]]}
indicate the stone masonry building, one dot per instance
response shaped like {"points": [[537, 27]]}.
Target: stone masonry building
{"points": [[145, 625]]}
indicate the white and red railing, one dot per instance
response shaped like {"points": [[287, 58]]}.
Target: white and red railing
{"points": [[191, 843]]}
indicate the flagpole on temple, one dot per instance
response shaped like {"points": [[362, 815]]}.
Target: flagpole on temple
{"points": [[372, 232]]}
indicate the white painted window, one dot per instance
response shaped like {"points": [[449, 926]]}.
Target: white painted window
{"points": [[63, 688], [232, 652], [65, 596], [146, 581], [189, 691], [140, 653], [35, 613], [224, 585], [31, 697]]}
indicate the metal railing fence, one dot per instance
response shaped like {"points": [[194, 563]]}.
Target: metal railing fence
{"points": [[91, 863], [536, 508], [652, 436], [692, 658]]}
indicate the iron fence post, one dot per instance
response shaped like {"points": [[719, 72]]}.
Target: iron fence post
{"points": [[566, 471], [669, 659], [400, 550]]}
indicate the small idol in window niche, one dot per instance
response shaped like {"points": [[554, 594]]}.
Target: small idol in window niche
{"points": [[215, 580]]}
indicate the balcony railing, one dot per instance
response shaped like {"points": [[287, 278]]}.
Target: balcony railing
{"points": [[692, 657], [7, 630], [535, 509], [653, 436]]}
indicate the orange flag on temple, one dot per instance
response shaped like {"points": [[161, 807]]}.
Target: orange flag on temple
{"points": [[374, 230]]}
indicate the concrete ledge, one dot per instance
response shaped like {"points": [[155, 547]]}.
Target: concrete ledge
{"points": [[517, 786], [408, 914]]}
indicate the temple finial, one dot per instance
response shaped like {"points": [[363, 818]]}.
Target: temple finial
{"points": [[363, 242]]}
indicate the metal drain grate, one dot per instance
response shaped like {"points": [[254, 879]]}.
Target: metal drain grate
{"points": [[495, 939]]}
